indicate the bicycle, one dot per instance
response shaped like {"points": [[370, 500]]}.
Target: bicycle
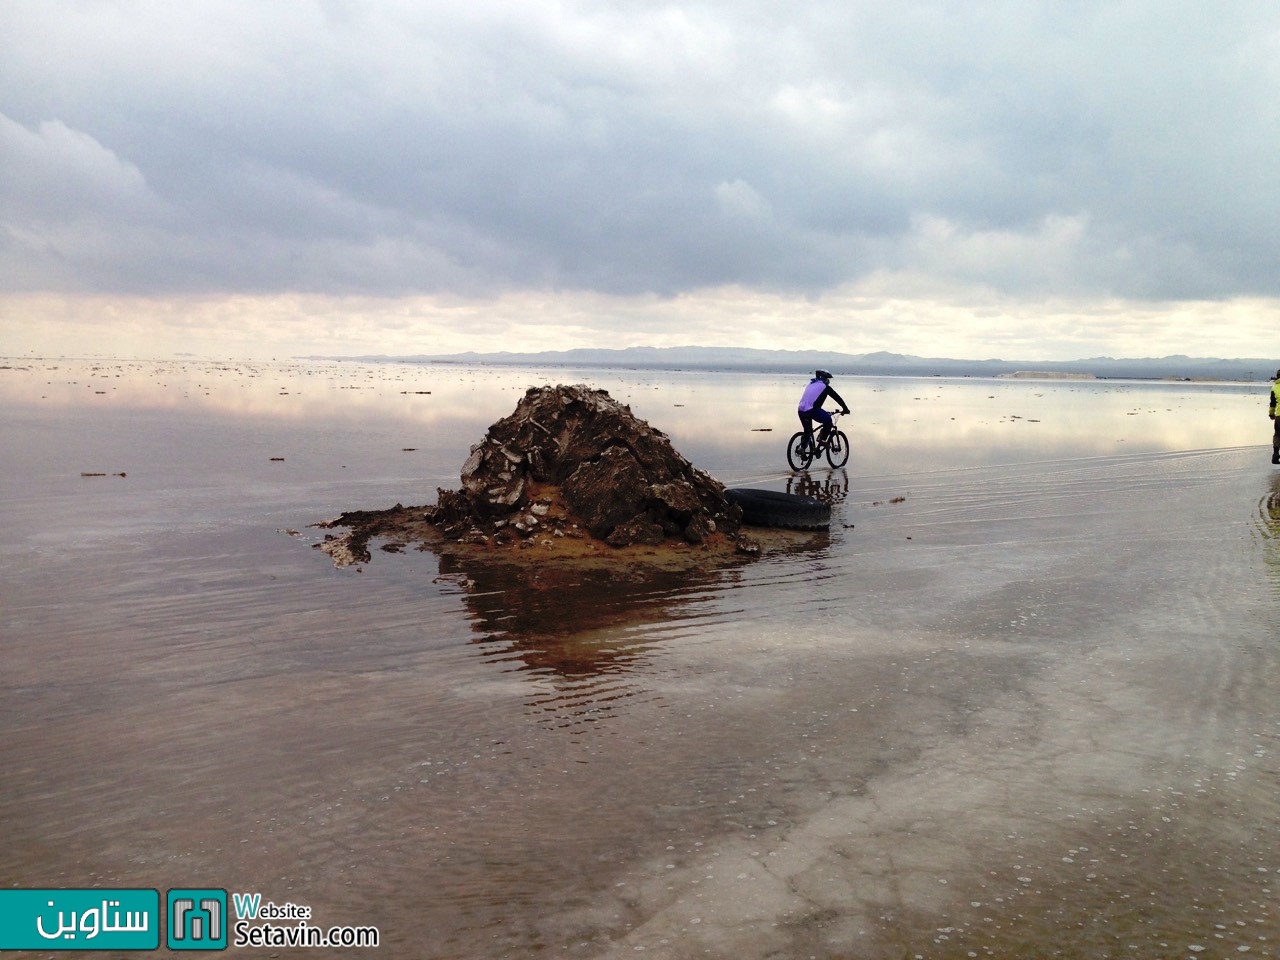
{"points": [[828, 441]]}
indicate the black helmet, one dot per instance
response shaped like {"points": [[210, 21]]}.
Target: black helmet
{"points": [[822, 375]]}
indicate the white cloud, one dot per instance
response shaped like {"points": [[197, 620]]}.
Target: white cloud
{"points": [[908, 313], [740, 199], [55, 173], [626, 149]]}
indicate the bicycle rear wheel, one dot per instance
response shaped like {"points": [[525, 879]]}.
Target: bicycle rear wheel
{"points": [[838, 449], [799, 453]]}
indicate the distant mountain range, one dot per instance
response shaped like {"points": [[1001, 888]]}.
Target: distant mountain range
{"points": [[880, 363]]}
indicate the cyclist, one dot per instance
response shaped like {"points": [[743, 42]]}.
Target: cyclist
{"points": [[811, 400]]}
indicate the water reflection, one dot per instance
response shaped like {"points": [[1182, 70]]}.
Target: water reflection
{"points": [[724, 421], [871, 695], [302, 391], [586, 634], [1268, 526], [832, 488]]}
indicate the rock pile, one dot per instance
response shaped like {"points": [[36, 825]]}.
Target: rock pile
{"points": [[571, 460]]}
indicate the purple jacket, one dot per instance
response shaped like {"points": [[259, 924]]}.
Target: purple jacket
{"points": [[815, 393]]}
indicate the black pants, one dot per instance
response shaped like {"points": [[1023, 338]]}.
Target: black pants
{"points": [[1275, 437], [817, 413]]}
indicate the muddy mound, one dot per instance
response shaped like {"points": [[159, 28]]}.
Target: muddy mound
{"points": [[577, 448], [569, 468]]}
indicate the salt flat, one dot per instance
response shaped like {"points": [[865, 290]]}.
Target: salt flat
{"points": [[1019, 702]]}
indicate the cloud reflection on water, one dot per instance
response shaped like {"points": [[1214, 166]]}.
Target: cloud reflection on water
{"points": [[725, 415], [1021, 659]]}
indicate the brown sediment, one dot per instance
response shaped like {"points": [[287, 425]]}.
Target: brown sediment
{"points": [[570, 475], [557, 537], [560, 541]]}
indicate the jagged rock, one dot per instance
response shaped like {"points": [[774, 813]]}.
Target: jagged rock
{"points": [[609, 471], [570, 470], [606, 492]]}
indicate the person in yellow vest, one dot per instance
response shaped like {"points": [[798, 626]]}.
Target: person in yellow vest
{"points": [[1274, 414]]}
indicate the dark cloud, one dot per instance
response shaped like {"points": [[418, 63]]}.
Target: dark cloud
{"points": [[393, 148]]}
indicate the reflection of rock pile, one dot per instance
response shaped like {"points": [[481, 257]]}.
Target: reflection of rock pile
{"points": [[571, 458]]}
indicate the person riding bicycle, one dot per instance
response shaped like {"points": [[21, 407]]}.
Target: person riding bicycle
{"points": [[811, 400]]}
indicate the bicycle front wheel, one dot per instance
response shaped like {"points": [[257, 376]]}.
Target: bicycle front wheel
{"points": [[838, 449], [799, 453]]}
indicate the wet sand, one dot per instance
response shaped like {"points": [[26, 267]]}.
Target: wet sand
{"points": [[1028, 709]]}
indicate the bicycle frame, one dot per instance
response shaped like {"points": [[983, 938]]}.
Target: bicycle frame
{"points": [[806, 446], [814, 436]]}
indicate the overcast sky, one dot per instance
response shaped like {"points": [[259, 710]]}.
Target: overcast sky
{"points": [[1019, 179]]}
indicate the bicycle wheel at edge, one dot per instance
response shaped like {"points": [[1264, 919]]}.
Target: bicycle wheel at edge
{"points": [[798, 455], [838, 449]]}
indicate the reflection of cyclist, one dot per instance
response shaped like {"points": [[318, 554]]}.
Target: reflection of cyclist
{"points": [[833, 489], [1273, 411], [810, 409]]}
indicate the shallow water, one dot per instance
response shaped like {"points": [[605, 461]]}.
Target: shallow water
{"points": [[1019, 702]]}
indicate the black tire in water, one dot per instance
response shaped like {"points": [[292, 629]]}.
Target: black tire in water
{"points": [[799, 455], [773, 508], [838, 449]]}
